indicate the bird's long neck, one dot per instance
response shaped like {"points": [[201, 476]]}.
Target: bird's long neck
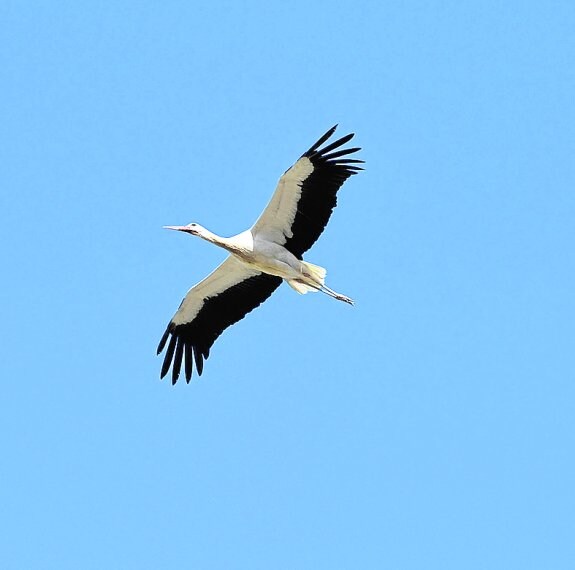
{"points": [[226, 243]]}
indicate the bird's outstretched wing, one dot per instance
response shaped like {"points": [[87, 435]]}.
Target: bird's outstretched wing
{"points": [[223, 298], [306, 195]]}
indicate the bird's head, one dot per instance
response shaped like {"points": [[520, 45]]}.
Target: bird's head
{"points": [[193, 229]]}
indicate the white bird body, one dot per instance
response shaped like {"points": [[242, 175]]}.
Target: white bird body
{"points": [[261, 257], [271, 258], [257, 252]]}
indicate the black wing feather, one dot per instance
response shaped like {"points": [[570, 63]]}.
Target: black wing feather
{"points": [[319, 191], [177, 364], [199, 360], [321, 140], [189, 361], [192, 341], [341, 153], [169, 356], [336, 144]]}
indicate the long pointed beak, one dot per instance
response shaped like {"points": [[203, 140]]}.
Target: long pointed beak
{"points": [[177, 228]]}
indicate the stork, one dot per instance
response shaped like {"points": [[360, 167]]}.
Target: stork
{"points": [[261, 257]]}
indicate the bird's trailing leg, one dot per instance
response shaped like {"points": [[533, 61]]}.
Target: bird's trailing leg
{"points": [[303, 287], [313, 279], [325, 289]]}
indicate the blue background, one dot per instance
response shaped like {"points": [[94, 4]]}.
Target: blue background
{"points": [[431, 426]]}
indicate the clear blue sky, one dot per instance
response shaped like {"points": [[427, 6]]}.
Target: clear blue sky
{"points": [[432, 426]]}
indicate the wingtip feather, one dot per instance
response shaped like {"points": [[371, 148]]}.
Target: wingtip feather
{"points": [[336, 144], [177, 363], [163, 340], [169, 355], [320, 141], [189, 365], [199, 360]]}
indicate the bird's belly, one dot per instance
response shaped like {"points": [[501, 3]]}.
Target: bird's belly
{"points": [[280, 265]]}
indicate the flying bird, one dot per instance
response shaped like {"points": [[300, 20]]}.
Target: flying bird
{"points": [[261, 257]]}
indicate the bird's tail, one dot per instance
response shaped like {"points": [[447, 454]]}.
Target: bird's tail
{"points": [[313, 279], [316, 272], [301, 287]]}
